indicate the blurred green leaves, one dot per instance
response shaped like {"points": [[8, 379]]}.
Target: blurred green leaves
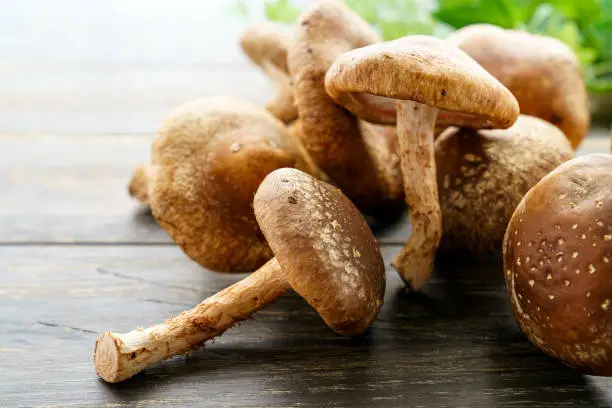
{"points": [[584, 25]]}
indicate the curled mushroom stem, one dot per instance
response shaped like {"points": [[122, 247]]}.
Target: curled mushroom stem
{"points": [[283, 105], [140, 183], [415, 129], [119, 356]]}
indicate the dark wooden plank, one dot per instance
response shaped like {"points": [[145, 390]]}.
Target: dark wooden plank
{"points": [[72, 188], [455, 344], [58, 188]]}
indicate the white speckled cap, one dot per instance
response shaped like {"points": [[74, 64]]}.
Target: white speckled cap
{"points": [[324, 246]]}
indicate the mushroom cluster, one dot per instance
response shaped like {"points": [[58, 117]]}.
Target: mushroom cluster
{"points": [[460, 130], [323, 249]]}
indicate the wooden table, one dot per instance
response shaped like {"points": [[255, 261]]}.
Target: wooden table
{"points": [[78, 256]]}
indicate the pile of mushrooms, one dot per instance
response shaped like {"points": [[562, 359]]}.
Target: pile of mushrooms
{"points": [[460, 130], [469, 177]]}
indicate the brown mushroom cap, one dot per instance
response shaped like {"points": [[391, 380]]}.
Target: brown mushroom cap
{"points": [[359, 164], [325, 248], [423, 69], [266, 45], [557, 258], [542, 72], [482, 176], [212, 154]]}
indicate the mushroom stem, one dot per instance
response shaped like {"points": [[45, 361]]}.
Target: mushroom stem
{"points": [[118, 357], [415, 129], [283, 105], [139, 184]]}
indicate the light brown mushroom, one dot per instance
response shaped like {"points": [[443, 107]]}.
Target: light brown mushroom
{"points": [[542, 72], [209, 157], [482, 176], [324, 251], [266, 45], [558, 264], [360, 158], [429, 80]]}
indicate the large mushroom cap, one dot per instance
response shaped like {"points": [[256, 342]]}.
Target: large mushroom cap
{"points": [[557, 257], [483, 175], [362, 163], [542, 72], [211, 155], [423, 69], [324, 246]]}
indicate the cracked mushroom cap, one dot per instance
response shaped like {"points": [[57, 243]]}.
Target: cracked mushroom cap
{"points": [[369, 80], [483, 175], [211, 155], [542, 72], [325, 248], [557, 258], [266, 45], [362, 163]]}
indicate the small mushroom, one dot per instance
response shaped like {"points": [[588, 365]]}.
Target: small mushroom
{"points": [[266, 45], [324, 251], [482, 175], [557, 261], [428, 80], [360, 158], [210, 156], [542, 72]]}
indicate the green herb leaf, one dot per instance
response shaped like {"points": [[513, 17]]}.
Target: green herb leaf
{"points": [[584, 25], [281, 10], [503, 13]]}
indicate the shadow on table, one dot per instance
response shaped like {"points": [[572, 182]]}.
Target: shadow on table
{"points": [[454, 343]]}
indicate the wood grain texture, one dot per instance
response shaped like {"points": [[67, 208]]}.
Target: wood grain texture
{"points": [[73, 188], [456, 344]]}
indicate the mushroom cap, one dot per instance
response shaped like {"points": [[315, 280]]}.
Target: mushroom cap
{"points": [[267, 42], [212, 154], [542, 72], [326, 250], [358, 164], [557, 254], [423, 69], [482, 176]]}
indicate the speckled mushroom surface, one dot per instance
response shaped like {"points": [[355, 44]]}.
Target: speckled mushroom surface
{"points": [[483, 175], [321, 231], [266, 45], [542, 72], [423, 69], [211, 155], [557, 260], [325, 251], [419, 82], [363, 163]]}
